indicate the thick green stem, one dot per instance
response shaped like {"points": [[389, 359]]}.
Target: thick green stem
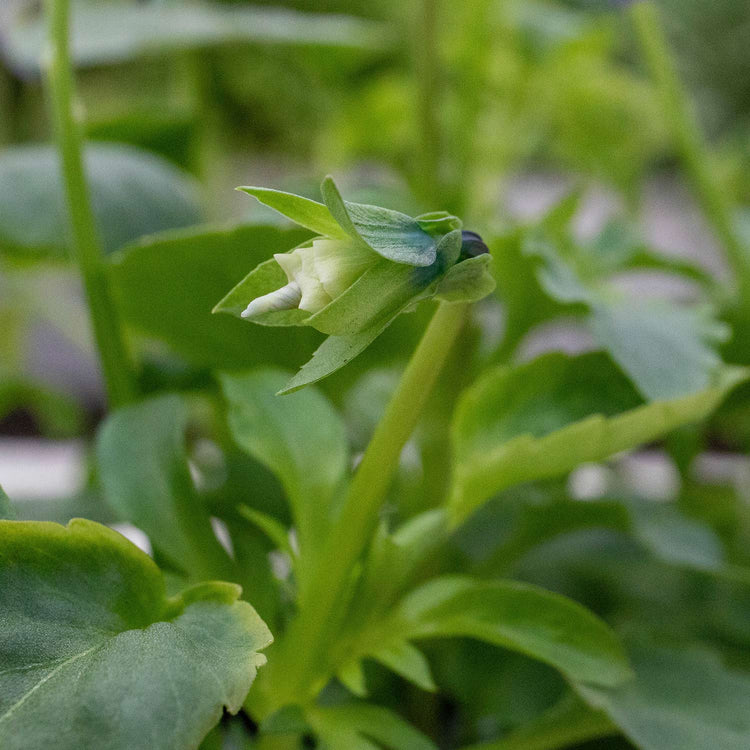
{"points": [[116, 368], [687, 134], [300, 665]]}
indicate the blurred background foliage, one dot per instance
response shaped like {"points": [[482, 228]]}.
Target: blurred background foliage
{"points": [[493, 109]]}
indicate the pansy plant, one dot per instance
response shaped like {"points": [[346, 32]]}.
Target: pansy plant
{"points": [[366, 265]]}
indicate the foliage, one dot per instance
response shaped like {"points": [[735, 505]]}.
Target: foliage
{"points": [[383, 509]]}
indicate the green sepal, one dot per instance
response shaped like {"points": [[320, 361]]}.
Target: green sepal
{"points": [[467, 281], [303, 211], [439, 222], [393, 235]]}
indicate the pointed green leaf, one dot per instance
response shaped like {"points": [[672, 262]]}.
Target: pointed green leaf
{"points": [[303, 211], [544, 418], [517, 616], [680, 700], [270, 526], [300, 438], [352, 677], [391, 234], [94, 655], [144, 472]]}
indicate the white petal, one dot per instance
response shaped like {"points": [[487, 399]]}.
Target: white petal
{"points": [[286, 298]]}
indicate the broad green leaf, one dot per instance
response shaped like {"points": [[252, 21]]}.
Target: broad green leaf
{"points": [[391, 234], [351, 726], [666, 350], [680, 700], [300, 438], [6, 509], [659, 528], [144, 473], [167, 285], [517, 616], [133, 193], [118, 32], [544, 418], [95, 655], [569, 722], [303, 211], [467, 281]]}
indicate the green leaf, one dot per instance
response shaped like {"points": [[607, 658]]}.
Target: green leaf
{"points": [[333, 354], [467, 281], [6, 508], [407, 660], [544, 418], [303, 211], [666, 350], [351, 725], [119, 32], [300, 438], [391, 234], [517, 616], [167, 285], [144, 473], [133, 193], [569, 722], [94, 655], [270, 526], [680, 700]]}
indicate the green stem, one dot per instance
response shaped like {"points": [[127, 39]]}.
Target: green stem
{"points": [[105, 322], [300, 666], [427, 65], [687, 134]]}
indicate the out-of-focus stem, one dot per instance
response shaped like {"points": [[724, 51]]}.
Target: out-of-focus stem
{"points": [[687, 134], [116, 368]]}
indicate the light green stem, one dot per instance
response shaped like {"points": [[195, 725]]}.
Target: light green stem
{"points": [[300, 667], [116, 369], [687, 134]]}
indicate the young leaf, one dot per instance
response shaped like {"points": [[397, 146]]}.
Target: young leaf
{"points": [[133, 193], [300, 438], [391, 234], [517, 616], [166, 286], [542, 419], [680, 700], [94, 654], [144, 472]]}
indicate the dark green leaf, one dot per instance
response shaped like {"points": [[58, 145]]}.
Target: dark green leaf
{"points": [[544, 418], [133, 193], [167, 286], [517, 616], [300, 438], [144, 472], [680, 700], [95, 655]]}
